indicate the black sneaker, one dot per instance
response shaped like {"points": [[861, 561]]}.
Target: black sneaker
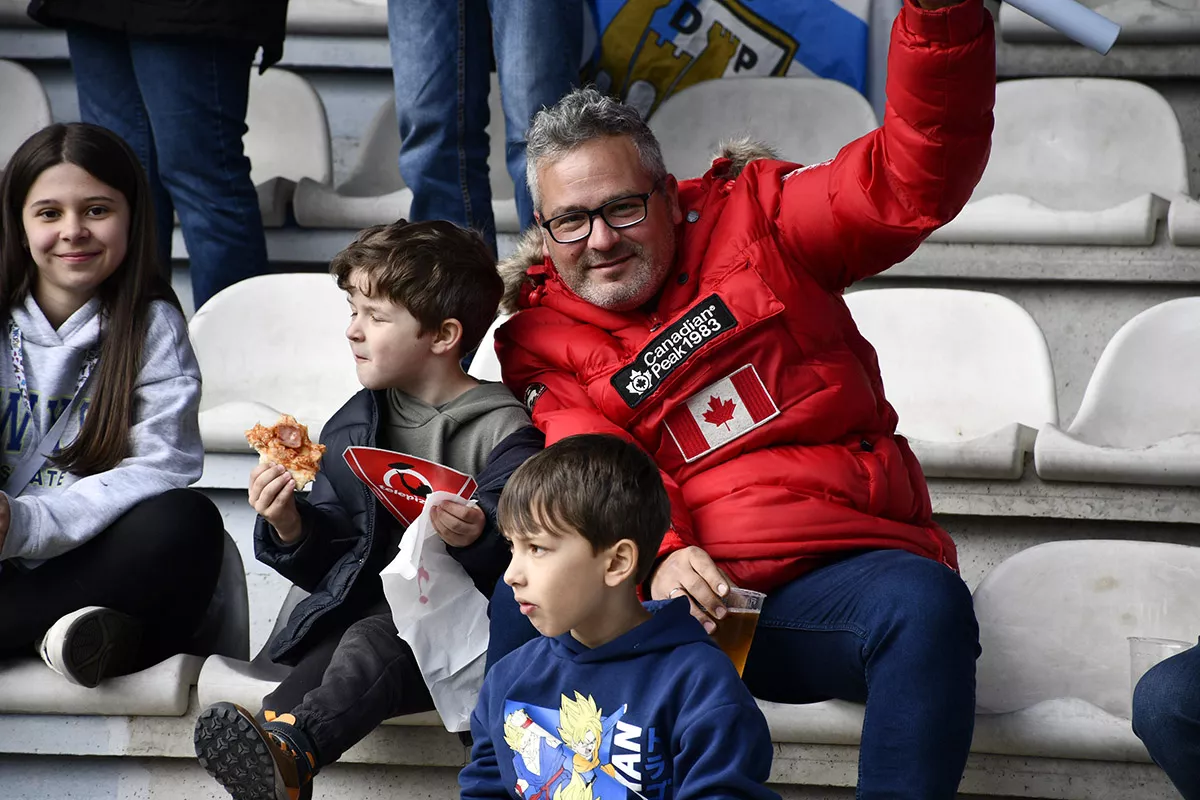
{"points": [[252, 761], [91, 644]]}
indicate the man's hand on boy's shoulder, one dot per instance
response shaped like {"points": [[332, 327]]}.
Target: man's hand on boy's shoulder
{"points": [[458, 525], [273, 496]]}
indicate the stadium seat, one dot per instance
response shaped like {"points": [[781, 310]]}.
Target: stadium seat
{"points": [[1139, 421], [968, 373], [28, 686], [1054, 619], [1079, 161], [1054, 677], [26, 108], [375, 194], [1061, 728], [269, 345], [248, 682], [338, 17], [12, 13], [806, 120], [287, 140], [1141, 21], [485, 366]]}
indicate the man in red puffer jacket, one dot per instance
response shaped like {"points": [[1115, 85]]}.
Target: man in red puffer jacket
{"points": [[704, 320]]}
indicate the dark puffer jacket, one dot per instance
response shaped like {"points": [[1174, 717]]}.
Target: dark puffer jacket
{"points": [[348, 537], [260, 23]]}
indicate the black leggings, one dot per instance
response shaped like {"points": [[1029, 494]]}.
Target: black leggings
{"points": [[158, 563]]}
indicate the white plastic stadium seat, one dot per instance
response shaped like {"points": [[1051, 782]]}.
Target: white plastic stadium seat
{"points": [[270, 345], [1054, 619], [1068, 728], [1141, 21], [1083, 161], [806, 120], [287, 140], [1139, 421], [26, 108], [485, 366], [338, 17], [12, 14], [27, 686], [375, 194], [968, 373]]}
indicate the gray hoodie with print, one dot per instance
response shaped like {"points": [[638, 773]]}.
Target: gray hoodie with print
{"points": [[58, 511]]}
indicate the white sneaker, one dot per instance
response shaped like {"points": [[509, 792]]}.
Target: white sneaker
{"points": [[91, 644]]}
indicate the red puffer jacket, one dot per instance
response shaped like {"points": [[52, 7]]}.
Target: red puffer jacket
{"points": [[749, 383]]}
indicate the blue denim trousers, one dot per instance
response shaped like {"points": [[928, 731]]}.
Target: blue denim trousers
{"points": [[180, 103], [1166, 717], [886, 628], [440, 68]]}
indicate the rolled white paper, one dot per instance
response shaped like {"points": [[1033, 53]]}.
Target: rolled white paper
{"points": [[1073, 20]]}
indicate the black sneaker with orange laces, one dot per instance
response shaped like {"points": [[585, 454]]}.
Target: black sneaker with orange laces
{"points": [[270, 761]]}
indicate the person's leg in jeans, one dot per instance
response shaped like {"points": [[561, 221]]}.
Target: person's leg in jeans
{"points": [[195, 91], [893, 630], [1166, 717], [158, 563], [538, 48], [109, 96], [440, 72]]}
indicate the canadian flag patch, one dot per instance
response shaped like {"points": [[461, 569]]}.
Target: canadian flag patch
{"points": [[720, 413]]}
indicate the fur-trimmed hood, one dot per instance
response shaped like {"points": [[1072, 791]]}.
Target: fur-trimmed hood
{"points": [[738, 152]]}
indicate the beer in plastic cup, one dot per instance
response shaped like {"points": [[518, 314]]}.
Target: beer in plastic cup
{"points": [[1146, 651], [735, 631]]}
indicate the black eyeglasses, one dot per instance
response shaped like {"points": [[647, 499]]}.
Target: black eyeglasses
{"points": [[575, 226]]}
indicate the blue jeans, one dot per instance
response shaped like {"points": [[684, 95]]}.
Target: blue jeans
{"points": [[180, 103], [1166, 717], [440, 67], [887, 628]]}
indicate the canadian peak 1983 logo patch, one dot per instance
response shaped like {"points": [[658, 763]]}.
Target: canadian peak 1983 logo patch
{"points": [[667, 351]]}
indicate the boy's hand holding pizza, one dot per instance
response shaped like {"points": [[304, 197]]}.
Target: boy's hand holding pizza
{"points": [[288, 460], [273, 496]]}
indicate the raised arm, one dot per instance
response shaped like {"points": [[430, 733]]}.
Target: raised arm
{"points": [[872, 205]]}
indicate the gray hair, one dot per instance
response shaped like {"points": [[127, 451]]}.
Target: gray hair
{"points": [[580, 117]]}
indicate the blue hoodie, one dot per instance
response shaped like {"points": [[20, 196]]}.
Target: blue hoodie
{"points": [[658, 712]]}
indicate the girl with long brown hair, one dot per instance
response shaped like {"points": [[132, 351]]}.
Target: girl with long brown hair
{"points": [[105, 558]]}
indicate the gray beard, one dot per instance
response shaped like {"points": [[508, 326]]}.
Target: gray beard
{"points": [[628, 294]]}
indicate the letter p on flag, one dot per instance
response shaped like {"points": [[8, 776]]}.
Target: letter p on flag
{"points": [[720, 413]]}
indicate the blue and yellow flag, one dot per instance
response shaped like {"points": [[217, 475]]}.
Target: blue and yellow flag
{"points": [[651, 49]]}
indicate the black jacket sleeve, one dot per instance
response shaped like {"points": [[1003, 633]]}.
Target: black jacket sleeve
{"points": [[486, 559], [327, 533]]}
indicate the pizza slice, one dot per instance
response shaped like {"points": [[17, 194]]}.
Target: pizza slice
{"points": [[286, 443]]}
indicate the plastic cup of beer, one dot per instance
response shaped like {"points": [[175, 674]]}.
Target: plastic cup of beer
{"points": [[1147, 651], [735, 631]]}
